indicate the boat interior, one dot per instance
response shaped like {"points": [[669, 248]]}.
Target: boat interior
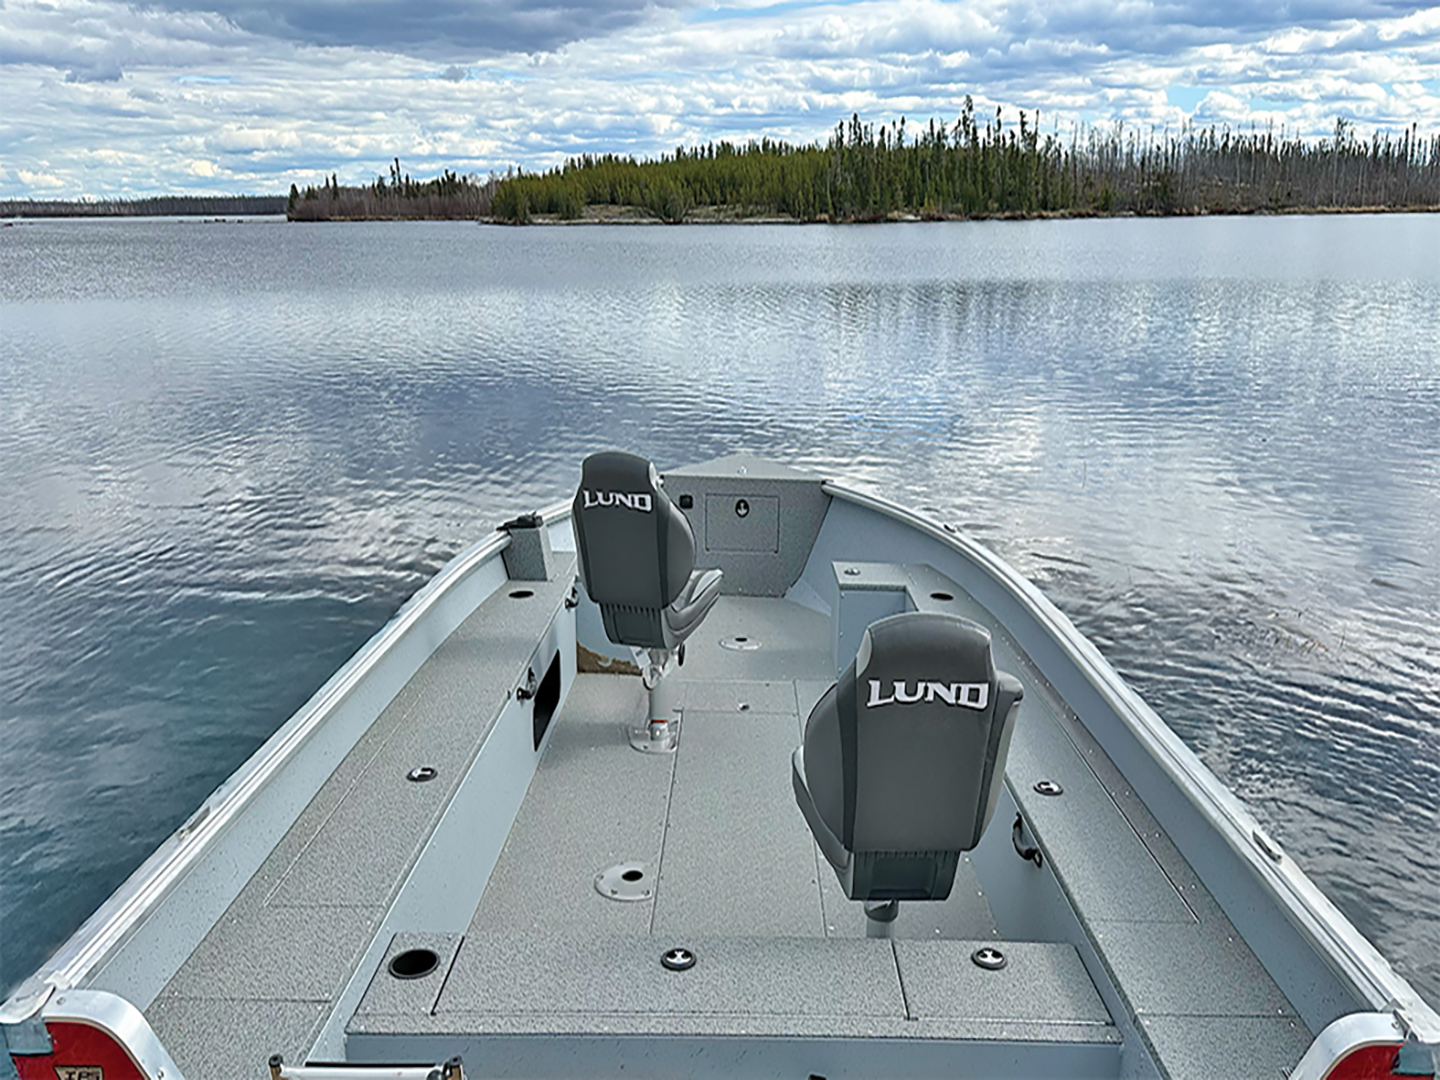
{"points": [[481, 840]]}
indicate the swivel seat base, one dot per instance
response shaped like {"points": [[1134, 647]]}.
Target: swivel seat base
{"points": [[660, 734]]}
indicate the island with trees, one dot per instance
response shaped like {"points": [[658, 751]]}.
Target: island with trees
{"points": [[977, 167], [980, 168]]}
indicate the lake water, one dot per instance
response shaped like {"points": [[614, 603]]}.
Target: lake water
{"points": [[228, 452]]}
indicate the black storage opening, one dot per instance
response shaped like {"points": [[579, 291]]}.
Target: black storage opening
{"points": [[547, 696]]}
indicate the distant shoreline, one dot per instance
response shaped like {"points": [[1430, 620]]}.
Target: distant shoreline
{"points": [[714, 215], [631, 215], [638, 216], [190, 219], [198, 206]]}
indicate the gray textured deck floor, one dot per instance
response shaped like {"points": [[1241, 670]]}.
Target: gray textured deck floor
{"points": [[736, 876], [718, 824]]}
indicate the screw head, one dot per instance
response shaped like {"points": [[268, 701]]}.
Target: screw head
{"points": [[677, 959], [988, 957], [421, 773], [1048, 787]]}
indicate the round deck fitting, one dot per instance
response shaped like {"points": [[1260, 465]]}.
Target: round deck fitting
{"points": [[677, 959], [626, 882], [740, 643], [988, 957], [1048, 787], [422, 773], [414, 963]]}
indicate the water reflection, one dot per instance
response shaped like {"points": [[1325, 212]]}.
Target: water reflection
{"points": [[231, 451]]}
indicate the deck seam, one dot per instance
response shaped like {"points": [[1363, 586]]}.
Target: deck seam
{"points": [[900, 978], [435, 1004], [664, 835], [334, 809]]}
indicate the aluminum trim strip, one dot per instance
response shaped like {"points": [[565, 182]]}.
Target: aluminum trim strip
{"points": [[556, 512], [144, 890], [1354, 957]]}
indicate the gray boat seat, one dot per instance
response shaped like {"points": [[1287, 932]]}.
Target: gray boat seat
{"points": [[637, 554], [904, 757]]}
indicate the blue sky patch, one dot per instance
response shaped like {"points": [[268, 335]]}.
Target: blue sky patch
{"points": [[1186, 97], [785, 7]]}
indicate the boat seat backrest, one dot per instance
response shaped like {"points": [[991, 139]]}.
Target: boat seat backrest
{"points": [[637, 553], [904, 757]]}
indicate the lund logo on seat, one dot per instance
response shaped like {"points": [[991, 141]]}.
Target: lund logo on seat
{"points": [[636, 501], [971, 695]]}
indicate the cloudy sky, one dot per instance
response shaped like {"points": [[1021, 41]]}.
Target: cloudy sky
{"points": [[103, 98]]}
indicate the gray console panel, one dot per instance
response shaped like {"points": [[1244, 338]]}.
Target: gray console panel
{"points": [[755, 520]]}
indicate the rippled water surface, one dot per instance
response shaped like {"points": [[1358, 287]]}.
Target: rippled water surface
{"points": [[228, 452]]}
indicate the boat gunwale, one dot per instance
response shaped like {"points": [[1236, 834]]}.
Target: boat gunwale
{"points": [[148, 886], [1327, 928]]}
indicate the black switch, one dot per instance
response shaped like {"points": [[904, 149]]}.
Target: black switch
{"points": [[687, 502]]}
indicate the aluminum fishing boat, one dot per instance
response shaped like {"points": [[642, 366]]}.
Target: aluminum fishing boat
{"points": [[741, 772]]}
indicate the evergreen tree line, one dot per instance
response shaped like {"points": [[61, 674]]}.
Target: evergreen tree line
{"points": [[981, 167], [448, 196], [156, 206]]}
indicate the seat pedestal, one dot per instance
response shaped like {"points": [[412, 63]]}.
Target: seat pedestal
{"points": [[660, 734]]}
